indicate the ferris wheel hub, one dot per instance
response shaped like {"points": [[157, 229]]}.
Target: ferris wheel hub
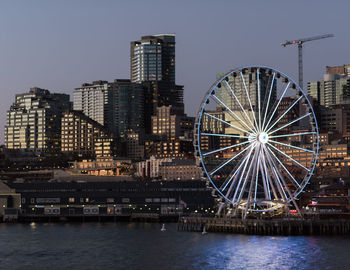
{"points": [[263, 137]]}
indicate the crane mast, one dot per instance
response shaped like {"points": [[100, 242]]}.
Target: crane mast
{"points": [[300, 43]]}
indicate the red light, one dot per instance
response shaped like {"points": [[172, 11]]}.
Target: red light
{"points": [[293, 42]]}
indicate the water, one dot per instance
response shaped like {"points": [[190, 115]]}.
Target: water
{"points": [[144, 246]]}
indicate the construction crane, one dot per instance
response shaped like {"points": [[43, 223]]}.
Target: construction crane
{"points": [[300, 43]]}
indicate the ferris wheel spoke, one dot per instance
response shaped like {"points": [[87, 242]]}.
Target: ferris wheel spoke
{"points": [[251, 183], [250, 103], [279, 184], [235, 170], [276, 176], [259, 97], [290, 123], [283, 183], [232, 113], [269, 182], [294, 134], [256, 182], [240, 171], [227, 123], [292, 146], [264, 175], [224, 135], [240, 105], [229, 160], [225, 148], [280, 162], [285, 112], [278, 103], [246, 178], [268, 99], [242, 175], [292, 159]]}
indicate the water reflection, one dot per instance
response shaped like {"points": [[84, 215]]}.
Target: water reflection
{"points": [[143, 245]]}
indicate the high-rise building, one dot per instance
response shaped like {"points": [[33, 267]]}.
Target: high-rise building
{"points": [[95, 100], [170, 123], [34, 121], [157, 94], [84, 137], [128, 108], [334, 88], [117, 105], [153, 58], [335, 118]]}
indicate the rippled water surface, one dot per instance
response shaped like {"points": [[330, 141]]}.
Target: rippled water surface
{"points": [[144, 246]]}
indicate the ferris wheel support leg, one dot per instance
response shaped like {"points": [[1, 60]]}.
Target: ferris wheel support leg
{"points": [[221, 207]]}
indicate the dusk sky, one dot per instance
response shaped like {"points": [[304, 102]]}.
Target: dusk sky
{"points": [[58, 45]]}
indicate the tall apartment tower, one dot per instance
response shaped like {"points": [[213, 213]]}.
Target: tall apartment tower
{"points": [[153, 58], [334, 88], [152, 63], [116, 105], [34, 121]]}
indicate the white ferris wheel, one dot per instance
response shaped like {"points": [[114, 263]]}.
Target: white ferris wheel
{"points": [[257, 139]]}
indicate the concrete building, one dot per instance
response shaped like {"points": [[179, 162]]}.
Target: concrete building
{"points": [[119, 105], [180, 169], [334, 88], [150, 168], [34, 121], [135, 149], [101, 166], [157, 94], [336, 119], [171, 123], [153, 58], [168, 169], [181, 148], [83, 137], [95, 100]]}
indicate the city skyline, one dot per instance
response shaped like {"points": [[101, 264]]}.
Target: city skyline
{"points": [[71, 48]]}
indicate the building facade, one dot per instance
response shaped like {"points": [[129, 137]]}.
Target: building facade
{"points": [[34, 121], [84, 137], [153, 58], [117, 105], [334, 88], [171, 123]]}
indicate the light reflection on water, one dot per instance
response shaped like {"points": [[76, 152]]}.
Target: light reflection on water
{"points": [[144, 246]]}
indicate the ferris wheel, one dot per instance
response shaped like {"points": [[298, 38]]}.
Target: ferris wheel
{"points": [[257, 139]]}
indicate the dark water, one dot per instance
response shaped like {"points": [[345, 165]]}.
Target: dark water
{"points": [[144, 246]]}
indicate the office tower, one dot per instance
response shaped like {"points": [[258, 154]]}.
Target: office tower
{"points": [[335, 118], [83, 137], [170, 123], [153, 58], [128, 108], [34, 121], [152, 63], [95, 100], [334, 88], [160, 93], [117, 105]]}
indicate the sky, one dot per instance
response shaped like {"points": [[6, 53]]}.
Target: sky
{"points": [[58, 45]]}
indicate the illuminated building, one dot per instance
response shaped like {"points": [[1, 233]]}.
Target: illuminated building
{"points": [[153, 58], [34, 121], [83, 136]]}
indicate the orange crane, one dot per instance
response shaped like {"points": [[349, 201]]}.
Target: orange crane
{"points": [[300, 43]]}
